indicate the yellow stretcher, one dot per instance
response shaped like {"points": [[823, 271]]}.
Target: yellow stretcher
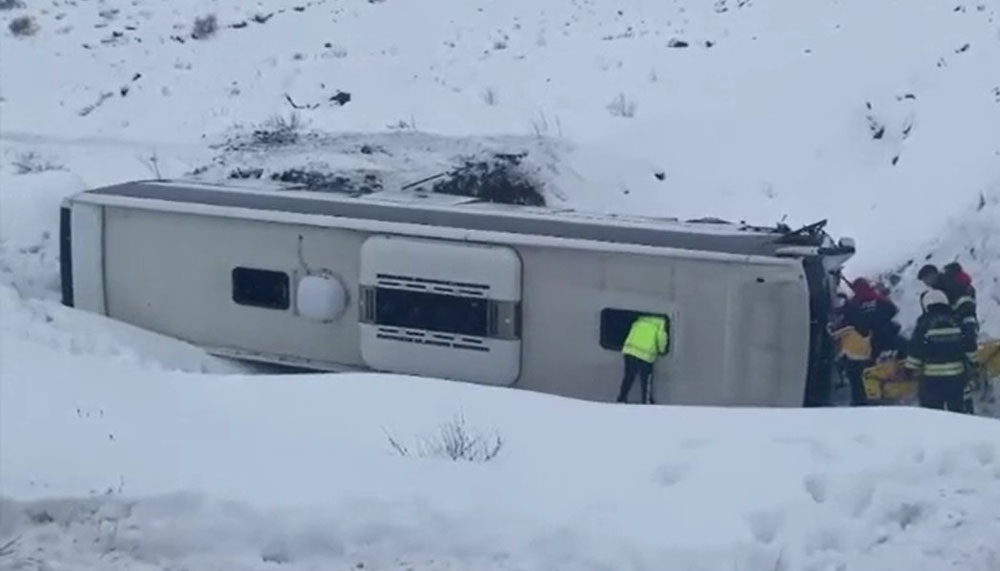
{"points": [[885, 383]]}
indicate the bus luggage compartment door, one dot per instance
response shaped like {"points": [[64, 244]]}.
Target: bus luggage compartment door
{"points": [[441, 309]]}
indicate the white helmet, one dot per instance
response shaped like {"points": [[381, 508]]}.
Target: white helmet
{"points": [[933, 297]]}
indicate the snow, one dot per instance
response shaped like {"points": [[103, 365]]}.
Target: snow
{"points": [[194, 471], [794, 77], [122, 449]]}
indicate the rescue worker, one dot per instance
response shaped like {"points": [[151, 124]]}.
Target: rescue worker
{"points": [[854, 354], [930, 275], [871, 315], [962, 296], [957, 285], [963, 301], [645, 343], [938, 354]]}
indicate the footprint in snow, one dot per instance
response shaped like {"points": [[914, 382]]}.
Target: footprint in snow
{"points": [[671, 474], [816, 486], [864, 440], [860, 498], [816, 448], [947, 463], [825, 539], [765, 524], [985, 453], [906, 514], [693, 443]]}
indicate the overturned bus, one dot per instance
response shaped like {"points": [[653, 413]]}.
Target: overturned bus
{"points": [[452, 287]]}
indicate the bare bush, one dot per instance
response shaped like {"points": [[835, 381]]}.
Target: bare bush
{"points": [[454, 441], [279, 130], [152, 163], [23, 26], [10, 547], [403, 125], [11, 4], [31, 162], [204, 27], [620, 106], [542, 128], [490, 96]]}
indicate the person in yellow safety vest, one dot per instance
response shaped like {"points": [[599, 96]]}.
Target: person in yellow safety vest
{"points": [[646, 341]]}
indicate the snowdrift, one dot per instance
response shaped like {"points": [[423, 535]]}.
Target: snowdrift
{"points": [[29, 287], [168, 470]]}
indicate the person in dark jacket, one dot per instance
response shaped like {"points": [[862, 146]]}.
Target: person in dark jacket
{"points": [[938, 354], [963, 301], [962, 296], [871, 315], [957, 285], [931, 276]]}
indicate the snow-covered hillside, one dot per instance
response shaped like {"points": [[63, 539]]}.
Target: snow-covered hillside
{"points": [[850, 110], [120, 449]]}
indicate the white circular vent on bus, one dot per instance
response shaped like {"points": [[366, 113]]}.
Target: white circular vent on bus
{"points": [[322, 298]]}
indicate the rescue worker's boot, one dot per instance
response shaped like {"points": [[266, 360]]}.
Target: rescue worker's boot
{"points": [[855, 376], [967, 393]]}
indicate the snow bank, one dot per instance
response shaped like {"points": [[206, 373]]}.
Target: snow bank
{"points": [[72, 332], [171, 470], [30, 286], [29, 230]]}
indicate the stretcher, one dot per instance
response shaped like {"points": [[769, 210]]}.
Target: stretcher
{"points": [[885, 382]]}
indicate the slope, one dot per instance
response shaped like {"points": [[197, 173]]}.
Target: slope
{"points": [[750, 110]]}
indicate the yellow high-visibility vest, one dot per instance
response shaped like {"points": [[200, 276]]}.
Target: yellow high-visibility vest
{"points": [[852, 344], [647, 338]]}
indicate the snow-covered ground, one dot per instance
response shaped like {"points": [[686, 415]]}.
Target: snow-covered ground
{"points": [[121, 449], [112, 469]]}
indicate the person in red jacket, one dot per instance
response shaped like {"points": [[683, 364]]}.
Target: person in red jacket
{"points": [[871, 314], [956, 272], [964, 294]]}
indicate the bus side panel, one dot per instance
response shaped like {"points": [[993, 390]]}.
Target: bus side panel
{"points": [[176, 274], [739, 331], [86, 228], [768, 334]]}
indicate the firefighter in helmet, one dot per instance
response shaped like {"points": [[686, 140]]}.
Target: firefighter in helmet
{"points": [[939, 354]]}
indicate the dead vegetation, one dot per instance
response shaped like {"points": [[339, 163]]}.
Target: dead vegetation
{"points": [[454, 441]]}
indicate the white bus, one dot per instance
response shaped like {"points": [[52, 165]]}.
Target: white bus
{"points": [[457, 288]]}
